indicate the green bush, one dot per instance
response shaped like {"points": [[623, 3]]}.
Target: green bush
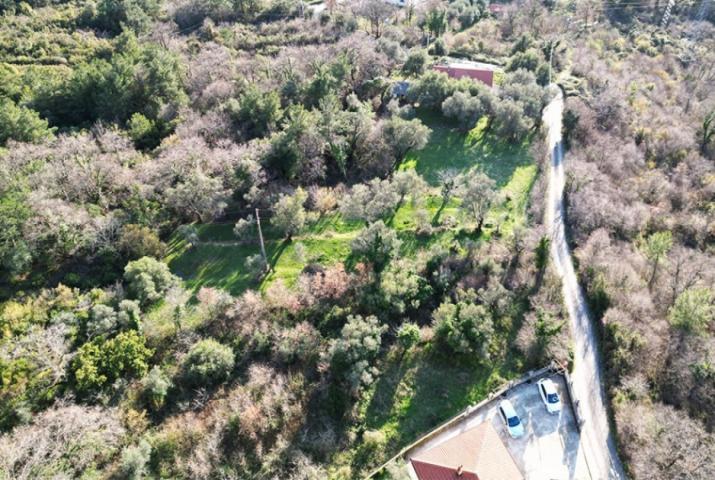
{"points": [[21, 124], [408, 335], [135, 460], [464, 327], [101, 362], [208, 362], [148, 279], [156, 386], [694, 310], [137, 241]]}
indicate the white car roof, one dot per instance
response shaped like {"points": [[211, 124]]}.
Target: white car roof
{"points": [[548, 385], [508, 408]]}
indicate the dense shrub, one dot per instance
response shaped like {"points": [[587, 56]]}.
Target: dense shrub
{"points": [[376, 244], [353, 353], [135, 460], [208, 362], [137, 241], [148, 279], [464, 327], [21, 124], [101, 362]]}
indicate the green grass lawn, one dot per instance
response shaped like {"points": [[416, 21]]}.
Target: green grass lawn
{"points": [[450, 148], [417, 391], [221, 263], [218, 260]]}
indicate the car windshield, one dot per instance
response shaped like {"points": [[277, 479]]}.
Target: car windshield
{"points": [[552, 398], [514, 421]]}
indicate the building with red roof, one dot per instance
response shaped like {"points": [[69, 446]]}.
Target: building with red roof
{"points": [[475, 454], [483, 72]]}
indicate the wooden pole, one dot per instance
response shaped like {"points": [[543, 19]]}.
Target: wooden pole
{"points": [[260, 237]]}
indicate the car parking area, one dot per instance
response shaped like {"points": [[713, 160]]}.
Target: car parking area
{"points": [[550, 447]]}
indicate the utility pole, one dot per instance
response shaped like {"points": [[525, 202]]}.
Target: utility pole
{"points": [[666, 14], [260, 237], [551, 58]]}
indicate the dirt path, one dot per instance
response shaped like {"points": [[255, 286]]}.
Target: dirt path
{"points": [[596, 436]]}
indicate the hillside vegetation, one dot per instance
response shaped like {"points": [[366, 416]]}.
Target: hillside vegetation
{"points": [[143, 334]]}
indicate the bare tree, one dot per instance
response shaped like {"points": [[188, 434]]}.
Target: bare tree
{"points": [[377, 12]]}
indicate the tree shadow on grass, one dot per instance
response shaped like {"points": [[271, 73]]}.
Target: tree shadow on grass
{"points": [[274, 250], [450, 148], [442, 388], [383, 399]]}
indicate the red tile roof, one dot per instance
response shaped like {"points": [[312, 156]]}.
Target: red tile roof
{"points": [[475, 73], [478, 450], [429, 471]]}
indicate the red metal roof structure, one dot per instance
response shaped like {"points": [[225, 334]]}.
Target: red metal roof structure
{"points": [[482, 72], [429, 471]]}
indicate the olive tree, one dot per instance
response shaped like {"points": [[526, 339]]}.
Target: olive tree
{"points": [[376, 244], [198, 197], [148, 279], [289, 213], [431, 89], [415, 63], [353, 353], [510, 121], [370, 201], [402, 136], [409, 183], [477, 192], [465, 109], [464, 327]]}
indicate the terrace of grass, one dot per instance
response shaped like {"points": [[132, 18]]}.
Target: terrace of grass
{"points": [[415, 392], [218, 259]]}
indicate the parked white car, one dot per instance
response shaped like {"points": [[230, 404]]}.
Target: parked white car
{"points": [[511, 420], [549, 395]]}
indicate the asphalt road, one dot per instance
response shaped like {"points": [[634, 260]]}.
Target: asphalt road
{"points": [[596, 436]]}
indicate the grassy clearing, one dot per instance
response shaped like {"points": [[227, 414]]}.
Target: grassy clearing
{"points": [[218, 260], [450, 148], [417, 391], [221, 263]]}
